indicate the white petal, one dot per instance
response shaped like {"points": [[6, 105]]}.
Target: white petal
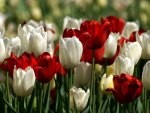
{"points": [[28, 81], [2, 50]]}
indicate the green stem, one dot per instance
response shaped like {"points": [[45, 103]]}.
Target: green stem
{"points": [[92, 89], [41, 98], [68, 90]]}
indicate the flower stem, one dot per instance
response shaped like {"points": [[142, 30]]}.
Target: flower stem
{"points": [[41, 99], [92, 92], [68, 90]]}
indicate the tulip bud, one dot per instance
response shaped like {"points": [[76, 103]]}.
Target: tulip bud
{"points": [[133, 50], [82, 74], [110, 46], [79, 97], [23, 81], [146, 75], [144, 40], [123, 65], [70, 52], [106, 83]]}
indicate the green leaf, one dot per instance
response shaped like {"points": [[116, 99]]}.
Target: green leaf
{"points": [[30, 105], [46, 99], [11, 108]]}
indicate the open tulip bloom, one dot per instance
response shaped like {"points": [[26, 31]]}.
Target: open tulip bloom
{"points": [[94, 67]]}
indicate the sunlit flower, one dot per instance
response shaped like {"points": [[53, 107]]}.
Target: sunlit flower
{"points": [[70, 52], [79, 97], [23, 81]]}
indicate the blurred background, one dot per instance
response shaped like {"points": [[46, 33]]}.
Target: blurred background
{"points": [[13, 12]]}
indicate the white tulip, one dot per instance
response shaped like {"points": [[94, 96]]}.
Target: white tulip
{"points": [[82, 74], [123, 64], [38, 41], [110, 46], [51, 35], [133, 50], [129, 28], [70, 52], [24, 35], [106, 82], [23, 81], [71, 23], [146, 75], [2, 50], [79, 97], [144, 40]]}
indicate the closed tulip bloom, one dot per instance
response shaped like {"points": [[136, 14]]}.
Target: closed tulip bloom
{"points": [[129, 28], [2, 50], [123, 65], [82, 74], [71, 23], [110, 46], [79, 97], [24, 35], [106, 82], [144, 40], [70, 52], [38, 41], [23, 81], [126, 88], [46, 68], [133, 50], [146, 75]]}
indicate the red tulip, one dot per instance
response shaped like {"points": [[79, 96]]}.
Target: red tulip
{"points": [[96, 33], [126, 88], [46, 68], [22, 61], [117, 24]]}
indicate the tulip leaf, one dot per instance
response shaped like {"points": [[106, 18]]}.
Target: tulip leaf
{"points": [[139, 106], [46, 99], [103, 110], [11, 108], [30, 104]]}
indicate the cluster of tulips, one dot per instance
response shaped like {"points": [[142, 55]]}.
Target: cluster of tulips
{"points": [[73, 73]]}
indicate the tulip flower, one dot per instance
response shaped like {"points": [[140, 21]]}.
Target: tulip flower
{"points": [[24, 35], [123, 64], [106, 82], [126, 88], [110, 46], [116, 24], [95, 33], [82, 74], [22, 62], [38, 41], [79, 97], [144, 40], [129, 28], [71, 23], [45, 68], [23, 81], [70, 52], [133, 50], [146, 75]]}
